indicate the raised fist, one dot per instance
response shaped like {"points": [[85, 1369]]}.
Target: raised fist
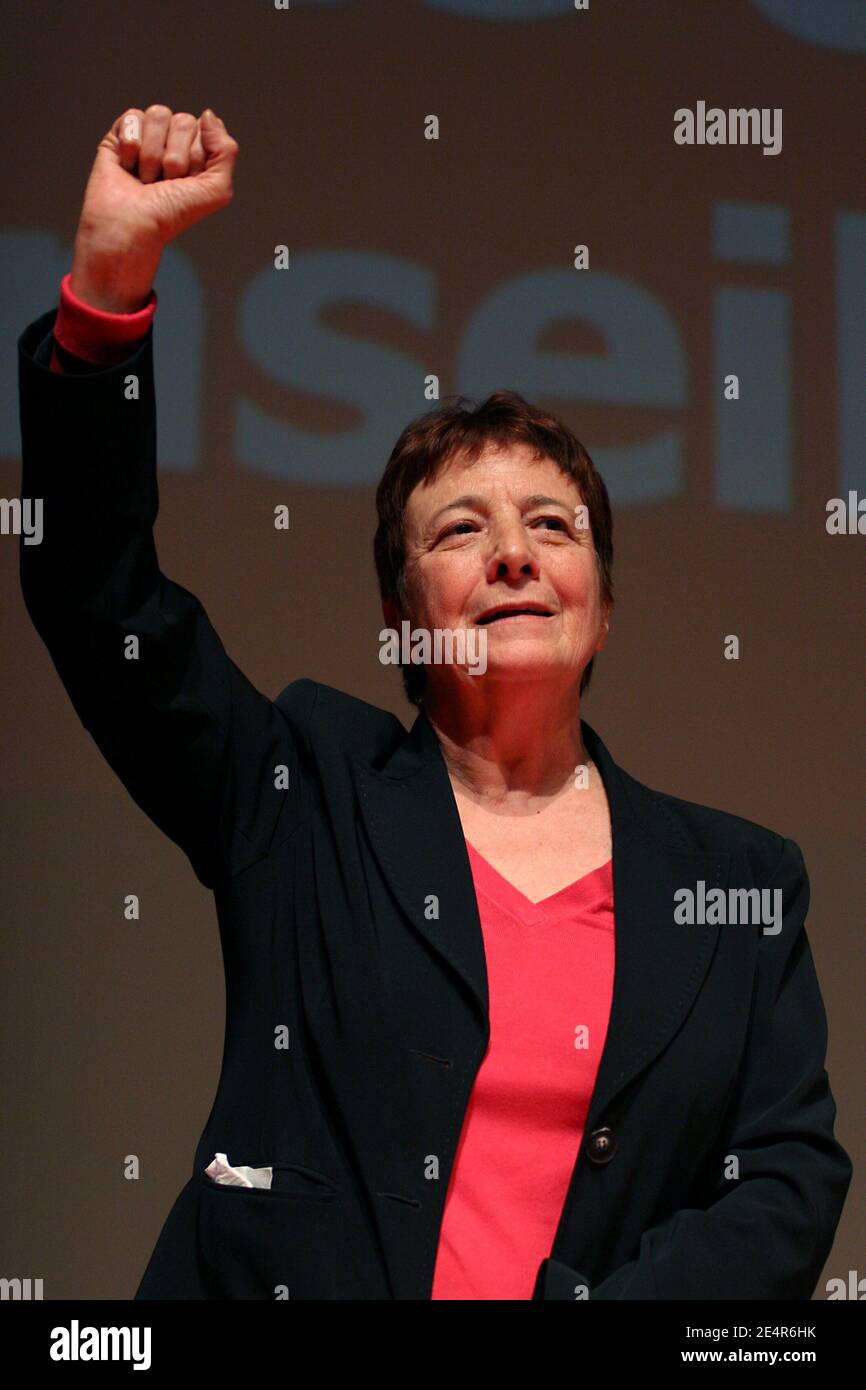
{"points": [[156, 173]]}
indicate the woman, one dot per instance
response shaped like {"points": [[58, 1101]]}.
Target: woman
{"points": [[501, 1022]]}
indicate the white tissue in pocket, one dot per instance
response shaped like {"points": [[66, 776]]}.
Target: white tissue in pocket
{"points": [[237, 1175]]}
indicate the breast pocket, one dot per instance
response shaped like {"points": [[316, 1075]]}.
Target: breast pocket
{"points": [[271, 1243]]}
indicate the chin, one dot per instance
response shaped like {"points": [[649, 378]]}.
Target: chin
{"points": [[518, 668]]}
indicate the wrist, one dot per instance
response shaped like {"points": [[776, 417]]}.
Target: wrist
{"points": [[107, 275], [96, 335]]}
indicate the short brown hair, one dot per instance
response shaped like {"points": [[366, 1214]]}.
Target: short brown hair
{"points": [[462, 427]]}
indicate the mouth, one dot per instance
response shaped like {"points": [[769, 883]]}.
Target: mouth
{"points": [[497, 615]]}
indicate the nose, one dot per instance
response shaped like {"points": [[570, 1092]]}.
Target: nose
{"points": [[512, 553]]}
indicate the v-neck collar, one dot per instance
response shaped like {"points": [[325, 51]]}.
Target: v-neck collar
{"points": [[505, 893]]}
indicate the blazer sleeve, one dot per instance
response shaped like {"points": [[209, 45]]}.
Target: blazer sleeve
{"points": [[767, 1233], [203, 753]]}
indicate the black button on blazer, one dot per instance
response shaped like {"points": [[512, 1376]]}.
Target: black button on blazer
{"points": [[357, 1003]]}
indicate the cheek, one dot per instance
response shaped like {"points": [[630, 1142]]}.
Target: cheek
{"points": [[579, 591], [446, 589]]}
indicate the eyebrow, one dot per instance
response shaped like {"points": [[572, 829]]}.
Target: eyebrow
{"points": [[535, 499]]}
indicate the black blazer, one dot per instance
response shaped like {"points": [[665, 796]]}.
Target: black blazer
{"points": [[326, 832]]}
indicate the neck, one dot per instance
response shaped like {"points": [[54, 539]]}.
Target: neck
{"points": [[509, 745]]}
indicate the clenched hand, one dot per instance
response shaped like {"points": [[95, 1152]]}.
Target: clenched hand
{"points": [[156, 173]]}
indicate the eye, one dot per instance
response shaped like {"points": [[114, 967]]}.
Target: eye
{"points": [[452, 530], [556, 519]]}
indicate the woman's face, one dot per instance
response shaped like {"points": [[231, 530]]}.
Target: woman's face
{"points": [[503, 531]]}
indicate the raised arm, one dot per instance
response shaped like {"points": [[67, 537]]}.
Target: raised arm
{"points": [[197, 746]]}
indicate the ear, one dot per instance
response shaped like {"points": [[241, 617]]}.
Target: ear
{"points": [[605, 627]]}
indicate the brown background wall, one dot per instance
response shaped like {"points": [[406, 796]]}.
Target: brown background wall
{"points": [[554, 131]]}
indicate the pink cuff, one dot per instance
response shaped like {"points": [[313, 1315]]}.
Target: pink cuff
{"points": [[94, 334]]}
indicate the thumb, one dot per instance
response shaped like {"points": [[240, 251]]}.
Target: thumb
{"points": [[211, 127], [220, 153]]}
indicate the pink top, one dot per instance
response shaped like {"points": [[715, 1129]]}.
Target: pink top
{"points": [[550, 972], [550, 968]]}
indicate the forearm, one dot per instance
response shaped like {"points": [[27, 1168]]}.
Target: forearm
{"points": [[760, 1245]]}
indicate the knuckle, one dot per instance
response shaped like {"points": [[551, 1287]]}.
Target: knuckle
{"points": [[183, 120], [158, 110], [129, 126]]}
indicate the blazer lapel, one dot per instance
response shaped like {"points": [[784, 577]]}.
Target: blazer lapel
{"points": [[660, 964], [414, 826], [411, 815]]}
